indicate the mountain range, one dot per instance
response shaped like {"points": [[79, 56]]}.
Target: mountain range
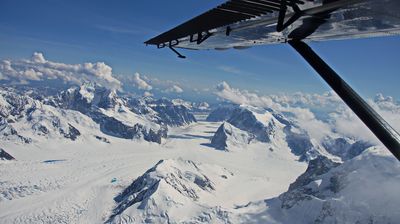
{"points": [[88, 154]]}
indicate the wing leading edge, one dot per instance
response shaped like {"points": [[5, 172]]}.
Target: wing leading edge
{"points": [[244, 23]]}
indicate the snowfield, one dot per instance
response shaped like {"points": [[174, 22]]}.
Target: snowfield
{"points": [[87, 155], [362, 190], [76, 182]]}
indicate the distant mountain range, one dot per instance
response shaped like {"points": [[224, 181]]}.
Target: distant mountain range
{"points": [[244, 124], [86, 110]]}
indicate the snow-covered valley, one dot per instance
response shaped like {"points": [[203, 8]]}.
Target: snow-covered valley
{"points": [[73, 182]]}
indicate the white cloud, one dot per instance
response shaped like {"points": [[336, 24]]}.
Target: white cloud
{"points": [[174, 89], [308, 100], [32, 74], [141, 83], [237, 96], [39, 69], [38, 58], [346, 122]]}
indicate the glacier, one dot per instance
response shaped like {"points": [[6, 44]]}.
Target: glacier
{"points": [[88, 154]]}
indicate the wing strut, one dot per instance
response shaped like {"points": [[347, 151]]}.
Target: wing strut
{"points": [[177, 53], [381, 129]]}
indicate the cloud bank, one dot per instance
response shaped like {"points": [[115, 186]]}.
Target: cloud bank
{"points": [[174, 89], [141, 83], [38, 68]]}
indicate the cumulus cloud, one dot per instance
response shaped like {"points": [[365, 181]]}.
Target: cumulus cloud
{"points": [[141, 83], [38, 68], [174, 89], [340, 119], [226, 92], [38, 57], [346, 122]]}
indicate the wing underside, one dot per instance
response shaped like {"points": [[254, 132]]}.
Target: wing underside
{"points": [[245, 23]]}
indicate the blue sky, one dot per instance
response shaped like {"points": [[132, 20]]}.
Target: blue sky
{"points": [[71, 31]]}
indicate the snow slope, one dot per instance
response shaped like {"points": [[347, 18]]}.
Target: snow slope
{"points": [[70, 182], [99, 178], [361, 190], [160, 195]]}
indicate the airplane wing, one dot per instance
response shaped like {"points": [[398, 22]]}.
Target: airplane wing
{"points": [[244, 23]]}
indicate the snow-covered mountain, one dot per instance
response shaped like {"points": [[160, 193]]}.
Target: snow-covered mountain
{"points": [[162, 111], [173, 191], [192, 106], [266, 126], [345, 148], [111, 112], [229, 138], [90, 110], [170, 113], [221, 113], [75, 162], [361, 190], [24, 119]]}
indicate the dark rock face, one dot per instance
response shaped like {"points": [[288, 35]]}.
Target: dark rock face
{"points": [[316, 167], [302, 189], [139, 105], [88, 99], [5, 156], [7, 132], [174, 115], [142, 188], [228, 135], [245, 120], [300, 144], [219, 140], [72, 133], [157, 187], [162, 111], [222, 113], [345, 148], [116, 128], [103, 139]]}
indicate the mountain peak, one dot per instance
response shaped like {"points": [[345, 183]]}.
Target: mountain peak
{"points": [[229, 137], [167, 188]]}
